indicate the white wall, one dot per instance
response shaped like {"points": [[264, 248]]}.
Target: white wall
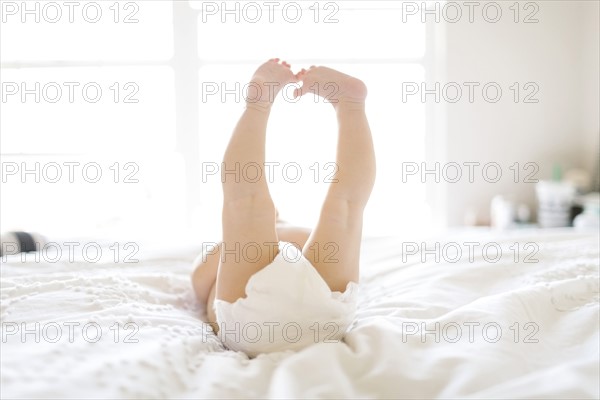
{"points": [[560, 54], [591, 84]]}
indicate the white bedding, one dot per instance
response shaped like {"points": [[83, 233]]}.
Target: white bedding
{"points": [[554, 301]]}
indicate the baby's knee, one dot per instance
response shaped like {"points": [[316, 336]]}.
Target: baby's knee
{"points": [[251, 207]]}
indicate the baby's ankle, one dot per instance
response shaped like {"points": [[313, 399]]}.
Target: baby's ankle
{"points": [[261, 106], [349, 105], [258, 96]]}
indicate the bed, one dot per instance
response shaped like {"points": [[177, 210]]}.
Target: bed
{"points": [[522, 325]]}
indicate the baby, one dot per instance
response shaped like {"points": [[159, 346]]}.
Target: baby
{"points": [[272, 287]]}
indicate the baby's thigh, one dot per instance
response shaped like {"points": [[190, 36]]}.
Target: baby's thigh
{"points": [[205, 274], [210, 311], [249, 244]]}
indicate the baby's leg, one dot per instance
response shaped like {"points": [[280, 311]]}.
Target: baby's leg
{"points": [[249, 236], [204, 276], [334, 245]]}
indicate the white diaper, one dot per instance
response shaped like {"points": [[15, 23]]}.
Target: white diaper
{"points": [[288, 307]]}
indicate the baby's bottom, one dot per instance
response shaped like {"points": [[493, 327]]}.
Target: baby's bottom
{"points": [[207, 265], [288, 306]]}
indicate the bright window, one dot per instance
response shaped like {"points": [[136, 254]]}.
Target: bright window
{"points": [[155, 122]]}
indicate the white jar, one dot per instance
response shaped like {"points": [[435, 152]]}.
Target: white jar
{"points": [[554, 203], [590, 217]]}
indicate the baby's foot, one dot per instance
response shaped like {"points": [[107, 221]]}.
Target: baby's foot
{"points": [[266, 83], [338, 88]]}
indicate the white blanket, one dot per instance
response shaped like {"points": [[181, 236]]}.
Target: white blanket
{"points": [[473, 328]]}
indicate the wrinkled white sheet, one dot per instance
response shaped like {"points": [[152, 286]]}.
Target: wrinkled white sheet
{"points": [[541, 337]]}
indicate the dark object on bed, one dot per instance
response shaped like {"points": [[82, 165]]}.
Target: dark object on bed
{"points": [[20, 242]]}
